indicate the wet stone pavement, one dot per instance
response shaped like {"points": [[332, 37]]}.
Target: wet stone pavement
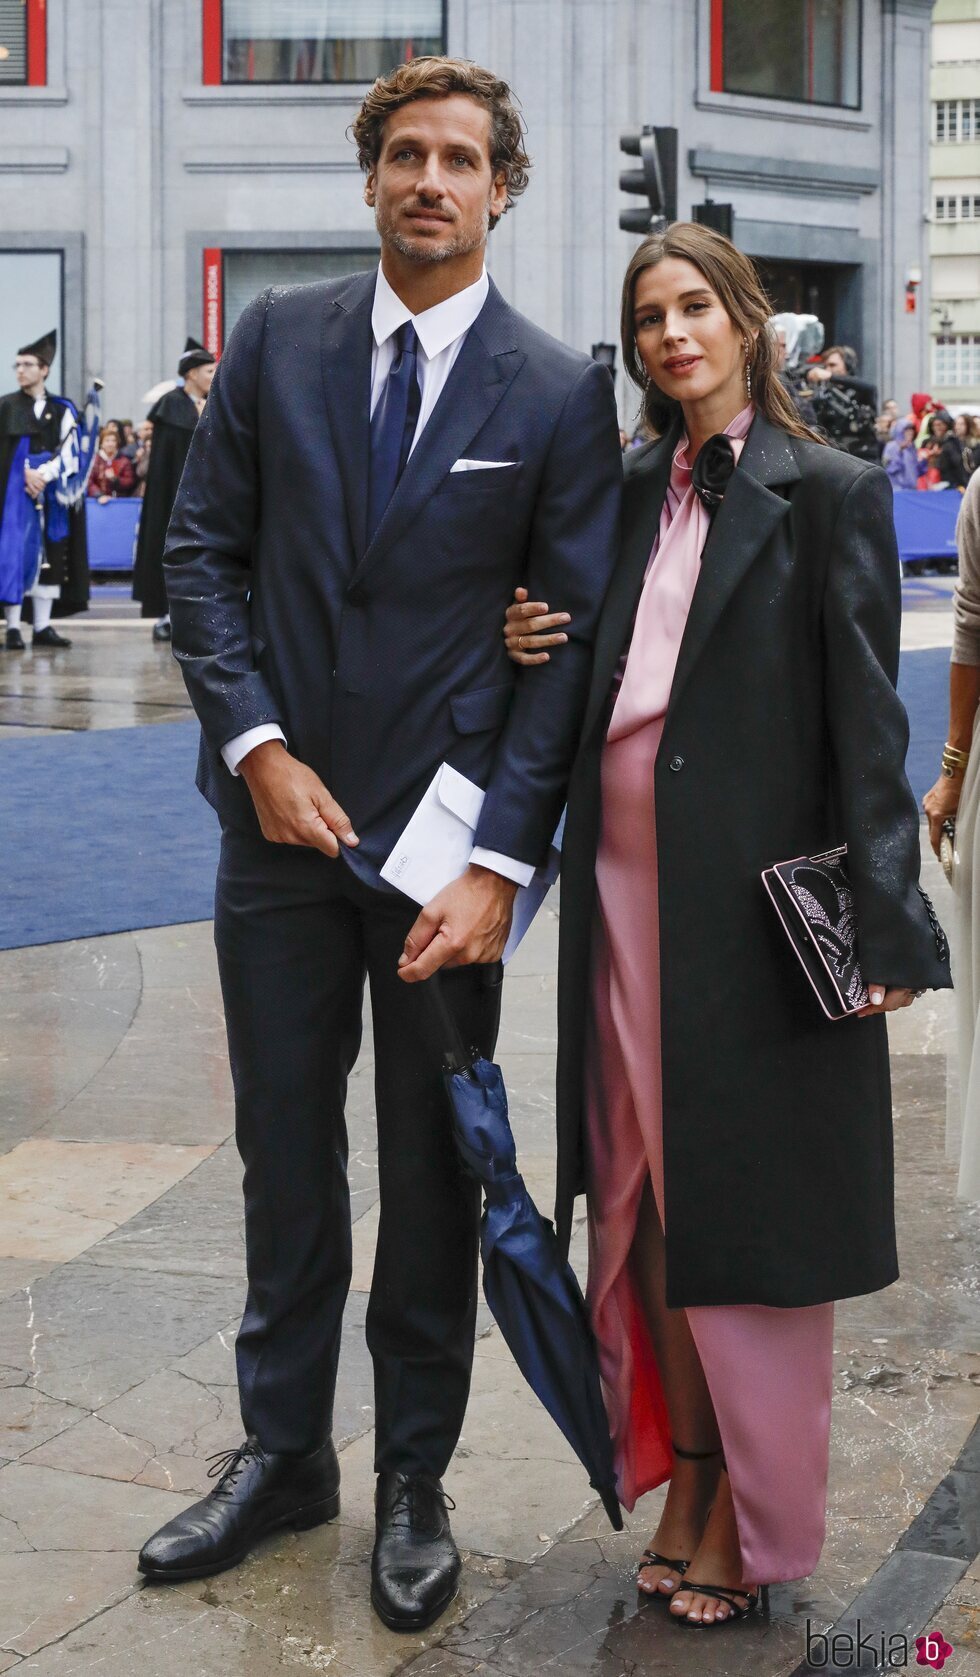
{"points": [[121, 1282]]}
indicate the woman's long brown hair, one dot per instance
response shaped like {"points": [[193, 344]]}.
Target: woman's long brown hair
{"points": [[734, 280]]}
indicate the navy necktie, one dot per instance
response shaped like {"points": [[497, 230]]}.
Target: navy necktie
{"points": [[393, 424]]}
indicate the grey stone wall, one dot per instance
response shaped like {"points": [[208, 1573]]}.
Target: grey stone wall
{"points": [[139, 166]]}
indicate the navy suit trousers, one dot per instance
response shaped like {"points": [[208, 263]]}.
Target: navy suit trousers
{"points": [[297, 935]]}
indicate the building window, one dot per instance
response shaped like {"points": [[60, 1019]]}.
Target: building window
{"points": [[964, 207], [805, 50], [956, 360], [956, 119], [317, 40], [233, 277], [32, 294], [23, 43]]}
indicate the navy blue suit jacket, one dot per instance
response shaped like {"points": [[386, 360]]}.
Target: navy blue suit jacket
{"points": [[382, 660]]}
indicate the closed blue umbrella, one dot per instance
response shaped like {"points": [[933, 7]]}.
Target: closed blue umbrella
{"points": [[532, 1291]]}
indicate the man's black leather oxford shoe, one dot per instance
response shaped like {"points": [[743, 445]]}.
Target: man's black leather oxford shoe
{"points": [[256, 1493], [415, 1566]]}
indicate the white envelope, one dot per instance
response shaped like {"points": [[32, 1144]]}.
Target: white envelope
{"points": [[436, 845]]}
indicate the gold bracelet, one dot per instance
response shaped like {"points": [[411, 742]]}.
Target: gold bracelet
{"points": [[954, 761]]}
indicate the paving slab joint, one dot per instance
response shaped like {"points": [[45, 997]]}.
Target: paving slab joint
{"points": [[910, 1586]]}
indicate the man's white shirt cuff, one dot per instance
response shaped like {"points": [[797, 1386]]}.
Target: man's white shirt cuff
{"points": [[521, 873], [242, 744]]}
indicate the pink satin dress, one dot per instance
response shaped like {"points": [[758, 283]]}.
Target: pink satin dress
{"points": [[769, 1371]]}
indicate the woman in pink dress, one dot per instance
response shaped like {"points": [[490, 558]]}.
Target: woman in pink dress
{"points": [[735, 1146]]}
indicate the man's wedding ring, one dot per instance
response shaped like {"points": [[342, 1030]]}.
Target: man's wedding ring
{"points": [[520, 642]]}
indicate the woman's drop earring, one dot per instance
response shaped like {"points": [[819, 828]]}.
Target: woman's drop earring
{"points": [[748, 372]]}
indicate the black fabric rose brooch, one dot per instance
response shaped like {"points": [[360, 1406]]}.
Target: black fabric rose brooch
{"points": [[712, 469]]}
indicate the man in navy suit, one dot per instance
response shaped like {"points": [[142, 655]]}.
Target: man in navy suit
{"points": [[381, 460]]}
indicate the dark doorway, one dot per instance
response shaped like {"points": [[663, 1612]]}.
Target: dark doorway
{"points": [[803, 288]]}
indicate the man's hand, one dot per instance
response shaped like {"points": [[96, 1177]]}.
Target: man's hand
{"points": [[33, 482], [465, 924], [941, 804], [292, 803]]}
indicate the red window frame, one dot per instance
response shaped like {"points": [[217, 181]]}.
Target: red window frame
{"points": [[212, 42], [717, 74], [37, 43], [717, 46]]}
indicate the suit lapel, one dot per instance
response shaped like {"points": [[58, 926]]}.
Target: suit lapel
{"points": [[486, 365], [747, 517], [643, 499], [345, 362]]}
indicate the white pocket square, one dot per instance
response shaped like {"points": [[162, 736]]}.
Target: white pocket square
{"points": [[482, 465]]}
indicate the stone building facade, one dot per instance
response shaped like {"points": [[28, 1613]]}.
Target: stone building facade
{"points": [[162, 161], [954, 237]]}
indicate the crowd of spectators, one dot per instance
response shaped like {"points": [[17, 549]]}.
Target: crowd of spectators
{"points": [[122, 460], [927, 448]]}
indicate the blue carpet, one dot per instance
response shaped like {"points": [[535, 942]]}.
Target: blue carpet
{"points": [[923, 682], [103, 832]]}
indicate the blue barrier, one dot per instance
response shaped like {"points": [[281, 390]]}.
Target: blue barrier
{"points": [[111, 531], [925, 523]]}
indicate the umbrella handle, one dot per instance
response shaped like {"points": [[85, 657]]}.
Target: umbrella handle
{"points": [[455, 1057]]}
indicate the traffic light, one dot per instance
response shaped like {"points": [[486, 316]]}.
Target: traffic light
{"points": [[656, 180]]}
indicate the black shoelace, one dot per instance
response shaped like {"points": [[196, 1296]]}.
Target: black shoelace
{"points": [[405, 1498], [228, 1464]]}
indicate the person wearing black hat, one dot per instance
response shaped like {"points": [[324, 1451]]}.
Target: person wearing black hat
{"points": [[33, 423], [174, 418]]}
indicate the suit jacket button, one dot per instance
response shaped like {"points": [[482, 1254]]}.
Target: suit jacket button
{"points": [[676, 763]]}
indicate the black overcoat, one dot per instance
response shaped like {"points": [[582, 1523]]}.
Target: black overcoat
{"points": [[784, 736]]}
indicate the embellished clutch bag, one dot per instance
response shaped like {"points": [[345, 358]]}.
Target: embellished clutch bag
{"points": [[815, 904], [813, 898]]}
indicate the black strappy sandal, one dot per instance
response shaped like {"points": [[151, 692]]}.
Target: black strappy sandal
{"points": [[721, 1593], [651, 1557]]}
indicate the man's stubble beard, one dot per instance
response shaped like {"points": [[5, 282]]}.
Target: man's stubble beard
{"points": [[420, 251]]}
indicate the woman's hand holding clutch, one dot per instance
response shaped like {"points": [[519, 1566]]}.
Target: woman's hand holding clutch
{"points": [[890, 1002], [940, 804]]}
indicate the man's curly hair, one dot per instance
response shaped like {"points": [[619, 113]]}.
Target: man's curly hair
{"points": [[437, 78]]}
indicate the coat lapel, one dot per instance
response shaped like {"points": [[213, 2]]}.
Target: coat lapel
{"points": [[643, 499], [747, 517], [487, 363], [345, 364]]}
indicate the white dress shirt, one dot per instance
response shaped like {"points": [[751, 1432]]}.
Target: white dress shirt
{"points": [[441, 332]]}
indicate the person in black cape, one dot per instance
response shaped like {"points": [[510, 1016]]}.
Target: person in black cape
{"points": [[33, 422], [174, 418]]}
